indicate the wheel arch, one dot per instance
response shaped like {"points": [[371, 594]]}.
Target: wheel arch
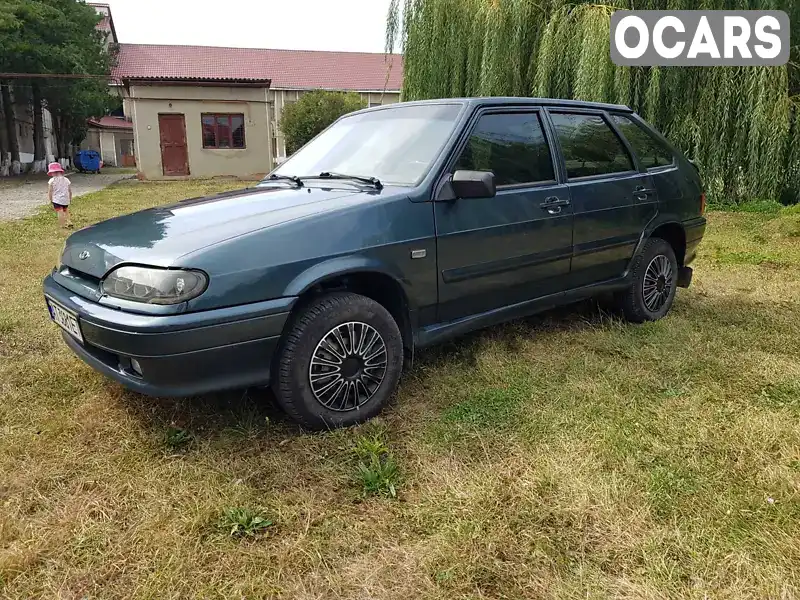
{"points": [[674, 234], [359, 275], [667, 228]]}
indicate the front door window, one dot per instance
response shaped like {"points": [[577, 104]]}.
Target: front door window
{"points": [[512, 146]]}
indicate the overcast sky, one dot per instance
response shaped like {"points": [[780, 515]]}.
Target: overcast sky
{"points": [[351, 25]]}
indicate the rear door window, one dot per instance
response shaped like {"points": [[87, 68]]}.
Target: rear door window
{"points": [[651, 152], [590, 147], [512, 146]]}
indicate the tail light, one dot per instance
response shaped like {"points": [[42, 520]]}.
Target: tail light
{"points": [[702, 203]]}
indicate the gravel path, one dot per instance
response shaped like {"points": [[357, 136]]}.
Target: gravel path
{"points": [[20, 198]]}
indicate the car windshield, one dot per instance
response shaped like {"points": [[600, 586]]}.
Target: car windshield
{"points": [[397, 145]]}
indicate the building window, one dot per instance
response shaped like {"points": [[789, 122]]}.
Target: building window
{"points": [[223, 130]]}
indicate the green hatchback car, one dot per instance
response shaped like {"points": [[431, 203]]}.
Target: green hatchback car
{"points": [[394, 229]]}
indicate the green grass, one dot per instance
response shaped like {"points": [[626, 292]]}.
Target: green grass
{"points": [[176, 438], [376, 470], [567, 455], [243, 522], [752, 206]]}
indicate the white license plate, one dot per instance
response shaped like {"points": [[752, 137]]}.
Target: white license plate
{"points": [[65, 319]]}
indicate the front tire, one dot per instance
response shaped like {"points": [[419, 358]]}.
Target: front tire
{"points": [[654, 277], [340, 362]]}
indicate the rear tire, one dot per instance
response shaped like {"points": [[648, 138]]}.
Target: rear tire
{"points": [[654, 277], [340, 362]]}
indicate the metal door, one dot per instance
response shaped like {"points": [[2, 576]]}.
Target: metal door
{"points": [[516, 246], [174, 153], [612, 201]]}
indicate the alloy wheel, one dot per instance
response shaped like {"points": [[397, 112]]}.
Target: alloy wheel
{"points": [[657, 284], [347, 366]]}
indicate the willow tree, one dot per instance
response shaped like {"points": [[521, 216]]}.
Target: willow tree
{"points": [[740, 124]]}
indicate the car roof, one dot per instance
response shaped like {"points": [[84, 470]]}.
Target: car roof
{"points": [[513, 101]]}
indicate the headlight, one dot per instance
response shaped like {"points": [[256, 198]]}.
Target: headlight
{"points": [[154, 286]]}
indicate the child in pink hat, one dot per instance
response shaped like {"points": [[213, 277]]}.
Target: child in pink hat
{"points": [[59, 192]]}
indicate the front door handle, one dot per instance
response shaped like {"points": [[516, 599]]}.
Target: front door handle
{"points": [[554, 201], [553, 204]]}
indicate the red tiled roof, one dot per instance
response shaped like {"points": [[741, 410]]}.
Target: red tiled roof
{"points": [[291, 69], [110, 123]]}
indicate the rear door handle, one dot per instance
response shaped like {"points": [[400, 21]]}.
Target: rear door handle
{"points": [[642, 192]]}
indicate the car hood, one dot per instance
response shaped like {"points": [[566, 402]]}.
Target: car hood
{"points": [[161, 236]]}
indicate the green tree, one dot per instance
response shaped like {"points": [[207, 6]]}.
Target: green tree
{"points": [[8, 26], [58, 37], [72, 104], [11, 130], [312, 113], [741, 124], [73, 101]]}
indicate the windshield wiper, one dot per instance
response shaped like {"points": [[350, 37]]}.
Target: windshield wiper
{"points": [[373, 181], [291, 178], [298, 181]]}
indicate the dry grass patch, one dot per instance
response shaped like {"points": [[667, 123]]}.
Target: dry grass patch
{"points": [[566, 455]]}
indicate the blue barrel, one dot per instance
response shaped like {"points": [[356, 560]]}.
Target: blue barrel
{"points": [[87, 160]]}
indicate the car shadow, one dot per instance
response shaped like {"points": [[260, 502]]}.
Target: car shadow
{"points": [[509, 336], [253, 413], [237, 413]]}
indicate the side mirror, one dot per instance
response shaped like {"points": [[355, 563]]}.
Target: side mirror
{"points": [[473, 184]]}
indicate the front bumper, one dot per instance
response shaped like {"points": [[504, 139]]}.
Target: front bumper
{"points": [[178, 355]]}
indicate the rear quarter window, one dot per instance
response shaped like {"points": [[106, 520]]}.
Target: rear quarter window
{"points": [[651, 152]]}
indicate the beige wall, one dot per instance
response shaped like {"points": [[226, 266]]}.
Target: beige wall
{"points": [[92, 140], [280, 98], [108, 147], [148, 101], [127, 103], [107, 143]]}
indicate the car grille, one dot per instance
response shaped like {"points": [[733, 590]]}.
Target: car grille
{"points": [[73, 273], [79, 282]]}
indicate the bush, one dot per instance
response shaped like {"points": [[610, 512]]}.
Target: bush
{"points": [[312, 113]]}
